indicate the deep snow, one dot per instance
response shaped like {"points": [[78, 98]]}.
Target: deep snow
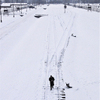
{"points": [[31, 49]]}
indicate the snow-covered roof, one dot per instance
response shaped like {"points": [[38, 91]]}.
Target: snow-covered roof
{"points": [[18, 3], [5, 5], [10, 4]]}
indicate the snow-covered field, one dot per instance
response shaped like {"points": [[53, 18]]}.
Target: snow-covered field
{"points": [[32, 49]]}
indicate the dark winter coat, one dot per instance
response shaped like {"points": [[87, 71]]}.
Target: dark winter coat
{"points": [[51, 79]]}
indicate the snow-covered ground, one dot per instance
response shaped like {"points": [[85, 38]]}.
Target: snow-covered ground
{"points": [[32, 49]]}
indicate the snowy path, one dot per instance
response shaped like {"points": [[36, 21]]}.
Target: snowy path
{"points": [[32, 49], [56, 48]]}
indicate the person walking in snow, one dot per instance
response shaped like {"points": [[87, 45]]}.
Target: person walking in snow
{"points": [[65, 8], [51, 79]]}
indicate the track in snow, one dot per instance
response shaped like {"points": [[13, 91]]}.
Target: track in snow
{"points": [[54, 60]]}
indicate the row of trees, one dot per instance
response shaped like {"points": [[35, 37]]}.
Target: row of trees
{"points": [[67, 1]]}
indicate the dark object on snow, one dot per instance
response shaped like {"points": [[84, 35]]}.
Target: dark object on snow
{"points": [[65, 6], [21, 15], [73, 35], [63, 97], [40, 15], [6, 11], [37, 16], [68, 86], [51, 79], [89, 7], [44, 8], [31, 7], [18, 8]]}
